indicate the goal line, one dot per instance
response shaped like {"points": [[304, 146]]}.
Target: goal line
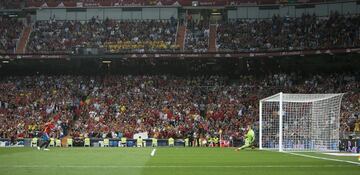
{"points": [[175, 166]]}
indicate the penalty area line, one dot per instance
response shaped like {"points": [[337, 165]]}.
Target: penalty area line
{"points": [[324, 158]]}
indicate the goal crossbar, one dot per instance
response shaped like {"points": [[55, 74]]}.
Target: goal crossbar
{"points": [[299, 97]]}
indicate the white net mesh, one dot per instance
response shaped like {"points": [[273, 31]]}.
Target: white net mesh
{"points": [[309, 122]]}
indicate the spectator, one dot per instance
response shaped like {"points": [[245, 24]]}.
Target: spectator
{"points": [[284, 33]]}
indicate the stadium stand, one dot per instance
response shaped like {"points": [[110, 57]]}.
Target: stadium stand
{"points": [[286, 34], [307, 32], [163, 87], [115, 36], [164, 106], [197, 36], [10, 31]]}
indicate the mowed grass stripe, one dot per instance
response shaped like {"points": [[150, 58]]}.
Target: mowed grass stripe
{"points": [[175, 161], [174, 166]]}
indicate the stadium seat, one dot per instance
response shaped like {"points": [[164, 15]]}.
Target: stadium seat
{"points": [[106, 143], [171, 141], [52, 142], [34, 142], [58, 143], [87, 142], [69, 142], [154, 142]]}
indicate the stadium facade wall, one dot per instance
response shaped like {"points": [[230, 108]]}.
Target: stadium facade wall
{"points": [[83, 14], [321, 10]]}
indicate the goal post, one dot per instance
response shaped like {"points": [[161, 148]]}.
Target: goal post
{"points": [[300, 122]]}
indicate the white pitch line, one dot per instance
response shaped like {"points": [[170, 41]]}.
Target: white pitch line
{"points": [[174, 166], [153, 152], [343, 154], [324, 158]]}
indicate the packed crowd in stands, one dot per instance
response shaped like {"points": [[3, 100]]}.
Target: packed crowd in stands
{"points": [[10, 31], [115, 36], [283, 33], [143, 36], [276, 34], [197, 36], [27, 103], [164, 106]]}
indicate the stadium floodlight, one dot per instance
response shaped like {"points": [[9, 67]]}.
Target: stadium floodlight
{"points": [[300, 122]]}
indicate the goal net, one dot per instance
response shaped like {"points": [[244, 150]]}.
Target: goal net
{"points": [[300, 122]]}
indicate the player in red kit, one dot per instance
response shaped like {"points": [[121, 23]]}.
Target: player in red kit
{"points": [[48, 127]]}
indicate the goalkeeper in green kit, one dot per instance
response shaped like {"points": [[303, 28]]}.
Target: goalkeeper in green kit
{"points": [[249, 138]]}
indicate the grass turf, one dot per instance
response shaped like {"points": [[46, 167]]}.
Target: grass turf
{"points": [[199, 161]]}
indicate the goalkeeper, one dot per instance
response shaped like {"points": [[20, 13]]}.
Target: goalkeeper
{"points": [[249, 138]]}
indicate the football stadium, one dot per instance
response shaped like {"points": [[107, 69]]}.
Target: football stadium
{"points": [[195, 87]]}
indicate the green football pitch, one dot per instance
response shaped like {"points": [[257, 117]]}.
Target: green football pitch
{"points": [[197, 161]]}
